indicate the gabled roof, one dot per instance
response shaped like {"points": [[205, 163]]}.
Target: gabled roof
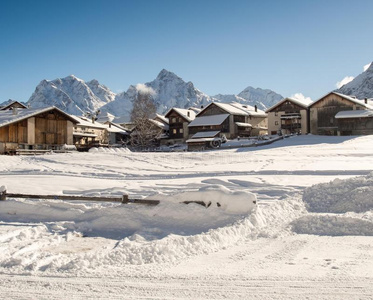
{"points": [[10, 104], [162, 118], [369, 105], [205, 134], [115, 128], [187, 114], [8, 117], [237, 109], [208, 120], [87, 122], [302, 103], [159, 124]]}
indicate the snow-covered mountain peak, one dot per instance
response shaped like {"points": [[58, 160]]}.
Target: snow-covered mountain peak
{"points": [[361, 86], [166, 75]]}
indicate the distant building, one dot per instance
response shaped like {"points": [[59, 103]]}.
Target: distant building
{"points": [[179, 119], [14, 104], [338, 114], [230, 119], [289, 116]]}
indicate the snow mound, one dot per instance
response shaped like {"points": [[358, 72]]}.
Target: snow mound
{"points": [[235, 202], [340, 196], [108, 150], [332, 225]]}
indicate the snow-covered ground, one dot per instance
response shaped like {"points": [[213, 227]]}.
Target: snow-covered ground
{"points": [[290, 220]]}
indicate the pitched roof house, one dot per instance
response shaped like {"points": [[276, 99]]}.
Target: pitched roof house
{"points": [[289, 116], [231, 119], [338, 114], [179, 119], [37, 128]]}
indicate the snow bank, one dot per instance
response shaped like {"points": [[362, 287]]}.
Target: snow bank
{"points": [[339, 196], [235, 202], [333, 225], [109, 150]]}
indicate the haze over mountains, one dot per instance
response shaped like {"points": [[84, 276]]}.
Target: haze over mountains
{"points": [[75, 96]]}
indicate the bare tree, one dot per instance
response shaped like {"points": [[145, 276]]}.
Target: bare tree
{"points": [[144, 109]]}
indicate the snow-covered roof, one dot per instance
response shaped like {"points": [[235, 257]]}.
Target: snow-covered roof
{"points": [[205, 134], [8, 117], [195, 109], [87, 122], [354, 114], [187, 114], [159, 124], [240, 124], [302, 103], [115, 128], [11, 103], [368, 105], [238, 109], [200, 140], [209, 120], [250, 110], [162, 118]]}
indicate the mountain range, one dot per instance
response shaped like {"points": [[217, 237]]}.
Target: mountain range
{"points": [[75, 96]]}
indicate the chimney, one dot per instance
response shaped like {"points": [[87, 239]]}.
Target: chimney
{"points": [[15, 111], [93, 120], [366, 100], [188, 114], [256, 108], [109, 125], [201, 106]]}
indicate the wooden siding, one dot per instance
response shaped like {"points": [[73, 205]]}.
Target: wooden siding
{"points": [[14, 133], [212, 110]]}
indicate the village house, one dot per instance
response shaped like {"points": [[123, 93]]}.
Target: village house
{"points": [[13, 104], [289, 116], [230, 119], [88, 133], [179, 119], [338, 114], [35, 129]]}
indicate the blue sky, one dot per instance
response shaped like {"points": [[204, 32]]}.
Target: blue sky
{"points": [[221, 46]]}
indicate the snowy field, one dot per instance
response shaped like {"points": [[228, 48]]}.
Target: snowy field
{"points": [[290, 220]]}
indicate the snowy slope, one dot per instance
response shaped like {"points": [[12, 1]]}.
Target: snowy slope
{"points": [[70, 94], [361, 86], [170, 91]]}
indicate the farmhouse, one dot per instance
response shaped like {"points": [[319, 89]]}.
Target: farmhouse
{"points": [[87, 133], [338, 114], [179, 119], [38, 128], [231, 119], [289, 116]]}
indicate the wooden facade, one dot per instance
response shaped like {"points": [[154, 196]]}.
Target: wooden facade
{"points": [[178, 121], [49, 129], [240, 122], [324, 110], [288, 116]]}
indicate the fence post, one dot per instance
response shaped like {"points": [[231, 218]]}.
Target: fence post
{"points": [[2, 195], [125, 199]]}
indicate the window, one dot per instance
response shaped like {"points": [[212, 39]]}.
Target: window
{"points": [[173, 120], [276, 122], [276, 113], [181, 130], [174, 131], [331, 120]]}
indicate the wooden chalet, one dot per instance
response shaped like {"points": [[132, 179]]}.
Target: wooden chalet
{"points": [[231, 119], [35, 129], [338, 114], [179, 119], [289, 116]]}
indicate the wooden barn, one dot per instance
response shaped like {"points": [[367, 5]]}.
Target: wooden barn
{"points": [[39, 128], [338, 114], [289, 116]]}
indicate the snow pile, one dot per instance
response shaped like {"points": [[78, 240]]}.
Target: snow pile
{"points": [[347, 204], [340, 196], [109, 150], [333, 225], [137, 234]]}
